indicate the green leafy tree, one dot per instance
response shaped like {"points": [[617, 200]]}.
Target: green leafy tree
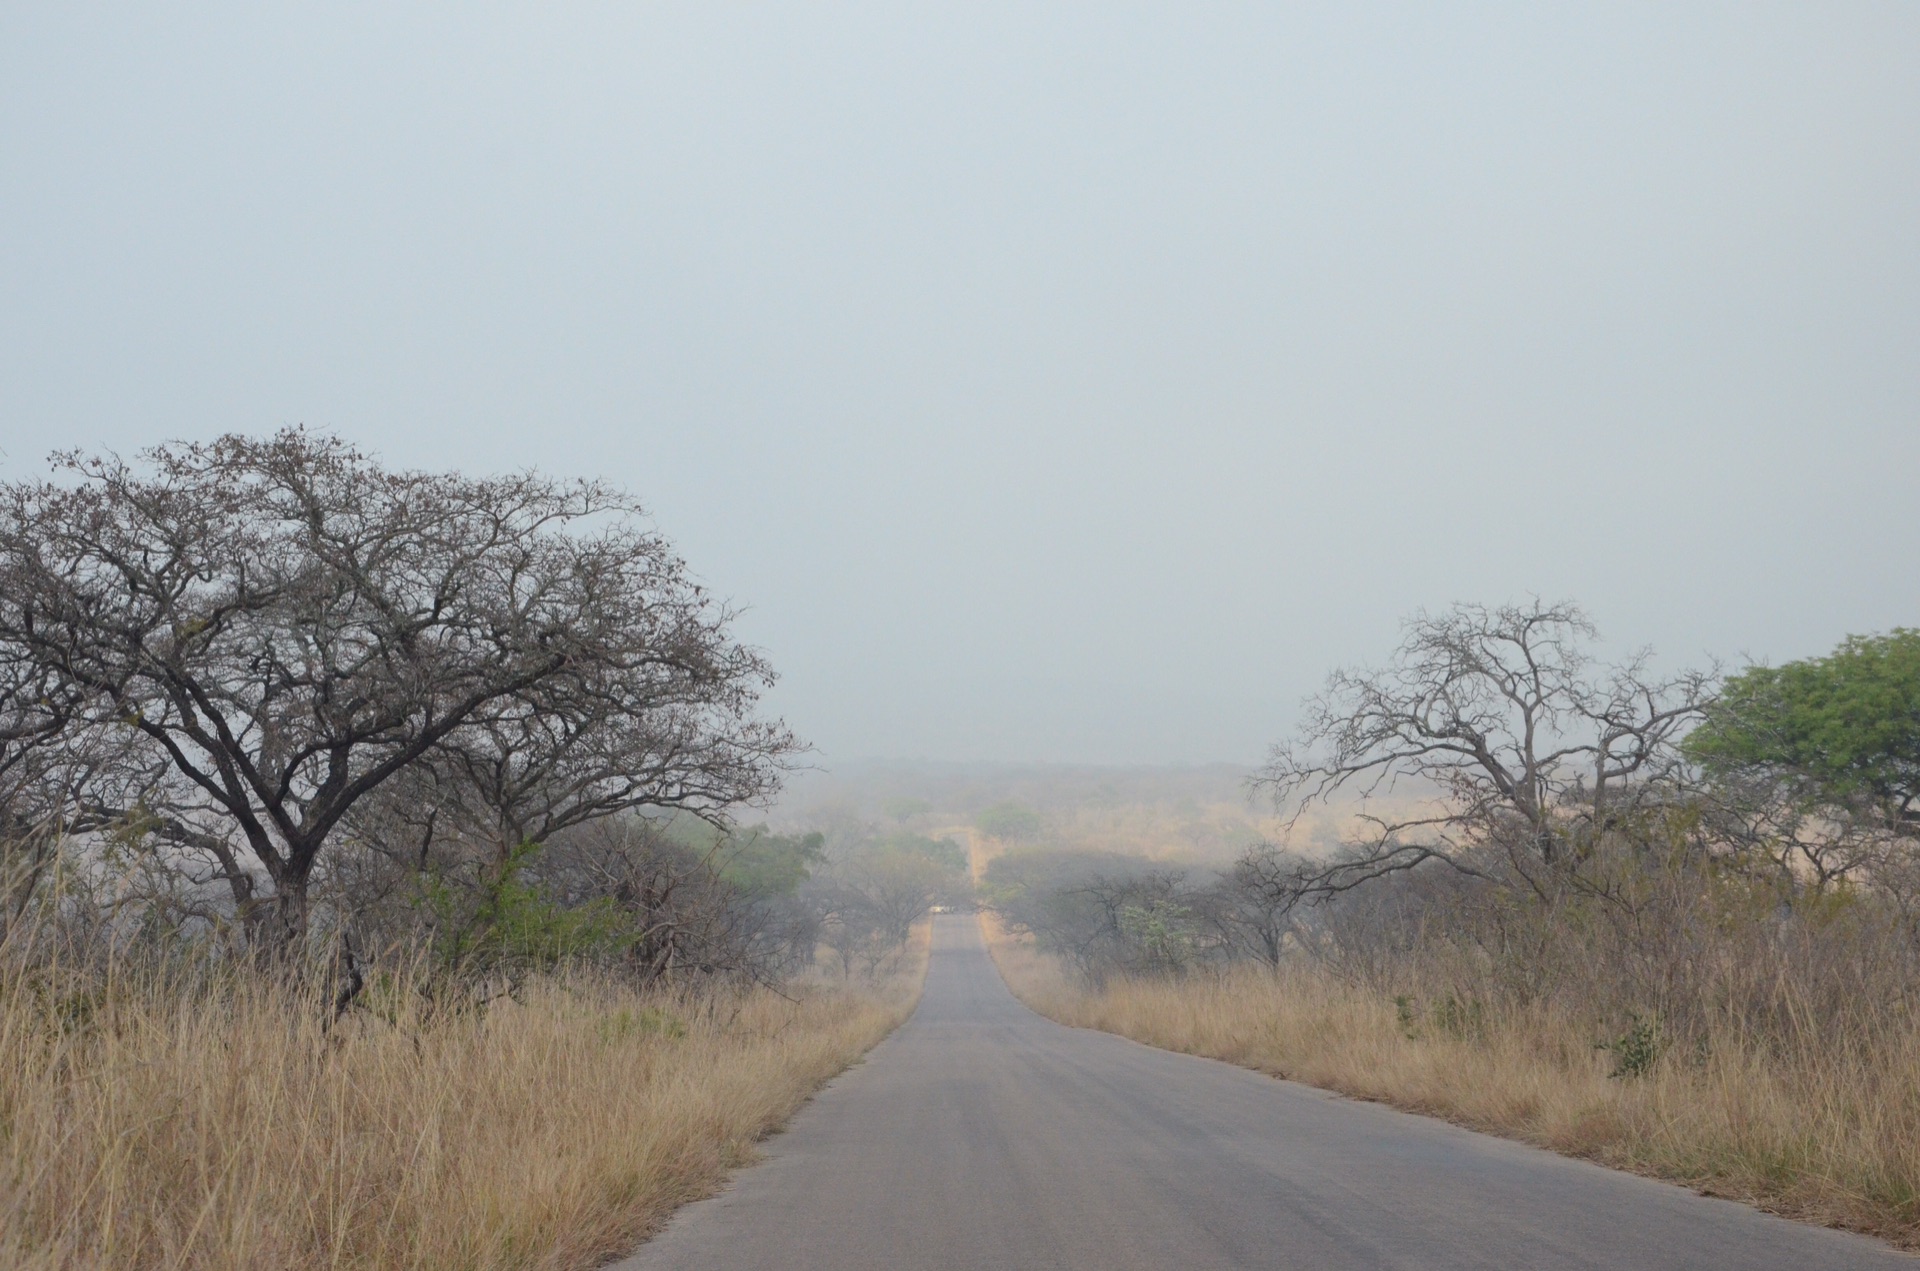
{"points": [[507, 923], [762, 864], [1843, 730]]}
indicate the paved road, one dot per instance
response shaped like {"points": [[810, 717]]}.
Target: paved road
{"points": [[983, 1136]]}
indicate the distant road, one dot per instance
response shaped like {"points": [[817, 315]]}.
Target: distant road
{"points": [[983, 1136]]}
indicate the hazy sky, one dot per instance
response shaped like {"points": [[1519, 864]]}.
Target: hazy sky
{"points": [[1051, 382]]}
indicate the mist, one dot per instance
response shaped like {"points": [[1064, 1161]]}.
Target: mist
{"points": [[1067, 383]]}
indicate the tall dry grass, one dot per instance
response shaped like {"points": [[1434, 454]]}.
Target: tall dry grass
{"points": [[1801, 1117], [148, 1122]]}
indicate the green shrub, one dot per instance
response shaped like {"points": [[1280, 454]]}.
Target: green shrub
{"points": [[1636, 1050]]}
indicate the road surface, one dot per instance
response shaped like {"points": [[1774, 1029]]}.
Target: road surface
{"points": [[981, 1135]]}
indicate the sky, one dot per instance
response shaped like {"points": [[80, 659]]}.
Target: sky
{"points": [[1044, 382]]}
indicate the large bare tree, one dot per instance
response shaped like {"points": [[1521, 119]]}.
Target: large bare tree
{"points": [[1491, 736], [673, 732], [284, 625]]}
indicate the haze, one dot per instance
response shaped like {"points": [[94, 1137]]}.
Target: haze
{"points": [[1049, 383]]}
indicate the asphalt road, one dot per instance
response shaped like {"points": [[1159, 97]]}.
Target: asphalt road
{"points": [[983, 1136]]}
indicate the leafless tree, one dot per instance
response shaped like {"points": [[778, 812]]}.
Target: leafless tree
{"points": [[46, 763], [847, 923], [899, 888], [869, 899], [284, 625], [1492, 736], [1771, 825], [674, 732], [1253, 902]]}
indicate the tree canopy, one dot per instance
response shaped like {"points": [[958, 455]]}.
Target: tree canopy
{"points": [[1844, 728], [266, 632]]}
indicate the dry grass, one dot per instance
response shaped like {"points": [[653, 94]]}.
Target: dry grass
{"points": [[146, 1127], [1185, 830], [1824, 1127]]}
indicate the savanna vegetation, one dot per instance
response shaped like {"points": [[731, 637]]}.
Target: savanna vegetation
{"points": [[374, 885], [377, 887], [1669, 923]]}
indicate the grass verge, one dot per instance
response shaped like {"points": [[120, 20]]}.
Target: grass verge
{"points": [[1822, 1128], [144, 1126]]}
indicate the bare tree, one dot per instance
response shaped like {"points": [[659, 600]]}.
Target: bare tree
{"points": [[673, 733], [899, 887], [1103, 913], [685, 915], [871, 895], [1772, 826], [285, 626], [1252, 904], [48, 760], [847, 923], [33, 714], [1491, 736]]}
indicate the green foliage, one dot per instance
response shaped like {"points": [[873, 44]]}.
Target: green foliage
{"points": [[1160, 935], [1636, 1050], [1847, 724], [762, 864], [1009, 821], [757, 862], [901, 882], [508, 921]]}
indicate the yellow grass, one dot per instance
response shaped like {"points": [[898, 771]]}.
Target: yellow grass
{"points": [[1186, 830], [145, 1128], [1826, 1129]]}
